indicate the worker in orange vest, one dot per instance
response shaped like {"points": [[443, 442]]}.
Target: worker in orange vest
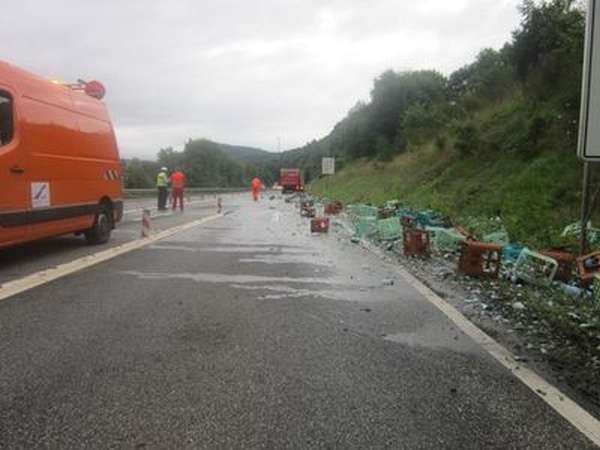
{"points": [[257, 185], [177, 188]]}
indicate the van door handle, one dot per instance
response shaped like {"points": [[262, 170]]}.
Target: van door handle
{"points": [[17, 169]]}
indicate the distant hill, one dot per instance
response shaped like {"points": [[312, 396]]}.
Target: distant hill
{"points": [[247, 154]]}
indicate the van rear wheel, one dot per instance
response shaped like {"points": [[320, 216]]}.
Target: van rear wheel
{"points": [[100, 231]]}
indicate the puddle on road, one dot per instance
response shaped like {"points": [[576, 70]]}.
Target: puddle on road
{"points": [[431, 335], [285, 259], [283, 292], [248, 249], [221, 278], [339, 289]]}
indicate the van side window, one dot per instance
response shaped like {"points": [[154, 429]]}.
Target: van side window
{"points": [[6, 118]]}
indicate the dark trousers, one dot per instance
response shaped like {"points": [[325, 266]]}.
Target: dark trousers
{"points": [[177, 194], [162, 198]]}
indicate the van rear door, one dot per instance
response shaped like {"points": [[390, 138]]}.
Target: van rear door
{"points": [[14, 198]]}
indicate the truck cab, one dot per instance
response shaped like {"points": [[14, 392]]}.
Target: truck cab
{"points": [[291, 180]]}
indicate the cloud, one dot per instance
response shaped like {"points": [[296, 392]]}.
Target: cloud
{"points": [[243, 72]]}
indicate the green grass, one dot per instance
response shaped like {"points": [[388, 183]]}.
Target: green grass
{"points": [[536, 197]]}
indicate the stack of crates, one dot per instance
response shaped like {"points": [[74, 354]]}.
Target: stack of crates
{"points": [[389, 229]]}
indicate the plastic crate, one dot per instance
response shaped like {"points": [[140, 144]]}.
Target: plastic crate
{"points": [[392, 204], [430, 218], [511, 252], [448, 240], [433, 233], [588, 267], [480, 259], [565, 260], [416, 242], [333, 207], [319, 225], [499, 237], [574, 230], [389, 229], [535, 268], [365, 226], [362, 210]]}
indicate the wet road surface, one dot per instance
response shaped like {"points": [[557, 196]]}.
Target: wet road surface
{"points": [[17, 262], [248, 332]]}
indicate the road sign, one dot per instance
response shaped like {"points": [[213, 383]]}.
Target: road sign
{"points": [[328, 166], [589, 123]]}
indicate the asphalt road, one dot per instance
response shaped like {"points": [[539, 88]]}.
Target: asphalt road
{"points": [[248, 332], [17, 262]]}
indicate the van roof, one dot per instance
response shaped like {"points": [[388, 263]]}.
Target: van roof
{"points": [[33, 86]]}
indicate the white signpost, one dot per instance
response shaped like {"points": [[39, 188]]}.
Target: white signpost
{"points": [[589, 123], [328, 166]]}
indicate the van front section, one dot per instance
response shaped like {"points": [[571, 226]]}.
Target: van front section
{"points": [[73, 154]]}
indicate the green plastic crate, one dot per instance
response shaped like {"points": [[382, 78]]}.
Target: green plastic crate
{"points": [[448, 240], [430, 218], [365, 225], [389, 229], [535, 268], [359, 210], [433, 233], [392, 204], [511, 252], [499, 237], [574, 230]]}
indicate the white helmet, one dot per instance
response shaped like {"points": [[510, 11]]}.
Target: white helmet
{"points": [[164, 169]]}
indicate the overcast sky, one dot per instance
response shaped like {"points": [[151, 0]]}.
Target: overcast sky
{"points": [[242, 71]]}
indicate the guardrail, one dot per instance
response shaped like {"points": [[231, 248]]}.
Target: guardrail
{"points": [[137, 193]]}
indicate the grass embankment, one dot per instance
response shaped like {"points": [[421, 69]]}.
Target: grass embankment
{"points": [[535, 198]]}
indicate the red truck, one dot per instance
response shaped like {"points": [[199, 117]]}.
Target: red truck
{"points": [[291, 180]]}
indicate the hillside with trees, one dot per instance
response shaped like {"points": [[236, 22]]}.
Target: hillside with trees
{"points": [[496, 137], [207, 164]]}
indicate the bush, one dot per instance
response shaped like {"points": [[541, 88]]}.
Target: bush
{"points": [[466, 137]]}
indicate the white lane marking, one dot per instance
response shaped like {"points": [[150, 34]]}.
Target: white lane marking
{"points": [[561, 403], [37, 279]]}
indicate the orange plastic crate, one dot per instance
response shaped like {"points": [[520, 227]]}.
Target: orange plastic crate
{"points": [[480, 259]]}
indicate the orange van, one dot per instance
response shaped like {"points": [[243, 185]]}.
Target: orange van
{"points": [[60, 170]]}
